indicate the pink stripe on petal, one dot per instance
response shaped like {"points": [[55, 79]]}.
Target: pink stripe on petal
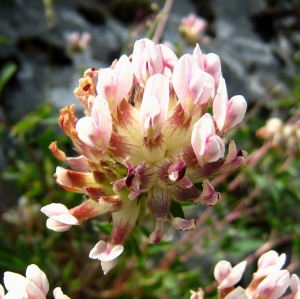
{"points": [[102, 118], [183, 73], [169, 59], [88, 132], [155, 103], [202, 130], [146, 60], [95, 131], [123, 79], [105, 86]]}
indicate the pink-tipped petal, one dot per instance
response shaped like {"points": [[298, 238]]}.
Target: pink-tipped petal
{"points": [[222, 270], [123, 78], [102, 118], [234, 276], [169, 59], [107, 254], [98, 249], [54, 209], [269, 262], [207, 146], [103, 251], [96, 130], [38, 277], [62, 177], [105, 86], [183, 73], [212, 65], [113, 254], [154, 106], [273, 286], [114, 84], [228, 276], [146, 60], [237, 107], [214, 149], [202, 130], [88, 132]]}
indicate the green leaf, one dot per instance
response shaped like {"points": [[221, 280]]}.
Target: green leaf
{"points": [[6, 73], [176, 209], [102, 227], [4, 40], [11, 262]]}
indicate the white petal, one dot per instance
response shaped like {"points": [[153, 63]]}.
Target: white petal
{"points": [[106, 266], [113, 254], [15, 281], [58, 294], [66, 219], [54, 209], [88, 132], [123, 78], [220, 105], [237, 107], [234, 276], [222, 269], [57, 226], [237, 293], [98, 249], [38, 277]]}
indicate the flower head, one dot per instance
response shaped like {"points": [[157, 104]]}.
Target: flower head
{"points": [[146, 140], [192, 27]]}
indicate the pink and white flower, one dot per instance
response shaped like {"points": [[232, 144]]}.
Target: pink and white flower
{"points": [[34, 286], [107, 254], [228, 114], [147, 139], [226, 275]]}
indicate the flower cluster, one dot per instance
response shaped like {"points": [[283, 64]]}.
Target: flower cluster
{"points": [[34, 286], [146, 140], [192, 27], [268, 282], [77, 42], [285, 137]]}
